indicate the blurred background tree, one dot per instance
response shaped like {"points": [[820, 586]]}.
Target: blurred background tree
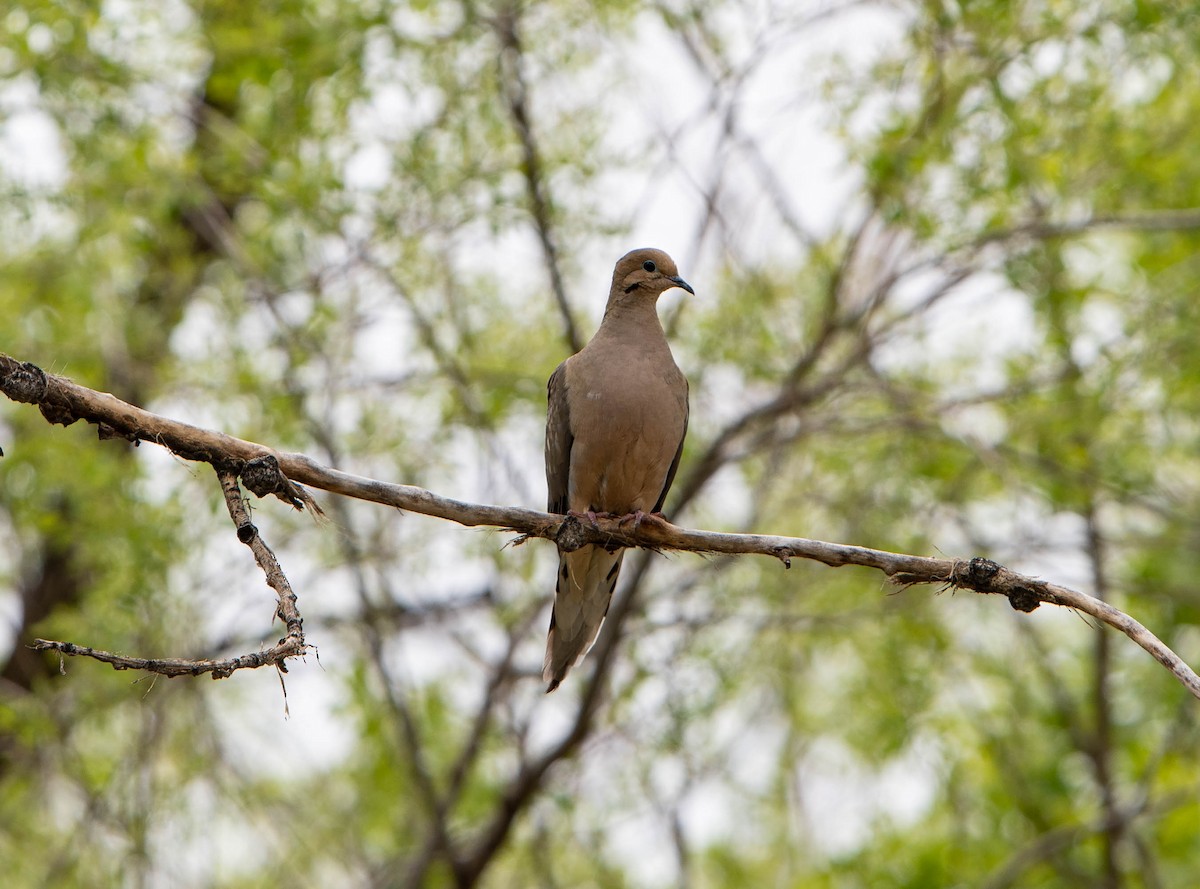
{"points": [[946, 263]]}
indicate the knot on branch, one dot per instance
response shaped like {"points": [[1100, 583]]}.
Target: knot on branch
{"points": [[24, 382], [986, 576], [571, 535], [976, 574], [600, 529], [57, 414], [262, 477], [1022, 599]]}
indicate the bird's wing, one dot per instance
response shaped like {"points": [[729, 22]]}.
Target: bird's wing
{"points": [[662, 498], [558, 442]]}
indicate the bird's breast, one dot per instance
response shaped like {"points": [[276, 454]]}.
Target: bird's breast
{"points": [[626, 426]]}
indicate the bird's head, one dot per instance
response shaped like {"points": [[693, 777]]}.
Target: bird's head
{"points": [[647, 272]]}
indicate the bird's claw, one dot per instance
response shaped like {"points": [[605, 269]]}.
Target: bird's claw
{"points": [[638, 518], [590, 516]]}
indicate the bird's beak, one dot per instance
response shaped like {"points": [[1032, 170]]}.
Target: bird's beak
{"points": [[679, 282]]}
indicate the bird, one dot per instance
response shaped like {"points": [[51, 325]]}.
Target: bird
{"points": [[616, 418]]}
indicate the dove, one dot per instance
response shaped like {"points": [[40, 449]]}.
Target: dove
{"points": [[616, 417]]}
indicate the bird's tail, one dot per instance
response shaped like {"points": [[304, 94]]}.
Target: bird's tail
{"points": [[582, 593]]}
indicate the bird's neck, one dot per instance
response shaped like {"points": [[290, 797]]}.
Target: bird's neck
{"points": [[631, 319]]}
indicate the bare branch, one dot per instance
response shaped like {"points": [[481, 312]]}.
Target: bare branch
{"points": [[1187, 219], [512, 81], [529, 779], [63, 401], [291, 645], [168, 666]]}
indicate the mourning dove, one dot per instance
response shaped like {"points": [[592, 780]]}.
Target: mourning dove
{"points": [[616, 416]]}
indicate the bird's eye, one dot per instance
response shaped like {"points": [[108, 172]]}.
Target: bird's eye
{"points": [[648, 265]]}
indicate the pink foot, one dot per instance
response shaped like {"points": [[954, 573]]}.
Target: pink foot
{"points": [[591, 516], [638, 518]]}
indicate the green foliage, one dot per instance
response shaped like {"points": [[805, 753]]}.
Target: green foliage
{"points": [[323, 226]]}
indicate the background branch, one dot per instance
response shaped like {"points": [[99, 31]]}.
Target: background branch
{"points": [[516, 91]]}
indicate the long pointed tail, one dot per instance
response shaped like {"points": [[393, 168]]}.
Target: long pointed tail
{"points": [[582, 593]]}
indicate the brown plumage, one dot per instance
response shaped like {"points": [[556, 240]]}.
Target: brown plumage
{"points": [[616, 416]]}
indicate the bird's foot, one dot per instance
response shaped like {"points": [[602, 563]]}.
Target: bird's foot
{"points": [[590, 516], [639, 518]]}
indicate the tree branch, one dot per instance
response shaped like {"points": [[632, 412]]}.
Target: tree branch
{"points": [[291, 645], [1185, 219], [63, 401], [167, 666], [515, 90]]}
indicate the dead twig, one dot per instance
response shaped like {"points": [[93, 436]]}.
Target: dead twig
{"points": [[291, 645]]}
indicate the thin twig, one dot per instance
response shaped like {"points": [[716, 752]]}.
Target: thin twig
{"points": [[168, 666], [291, 645]]}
